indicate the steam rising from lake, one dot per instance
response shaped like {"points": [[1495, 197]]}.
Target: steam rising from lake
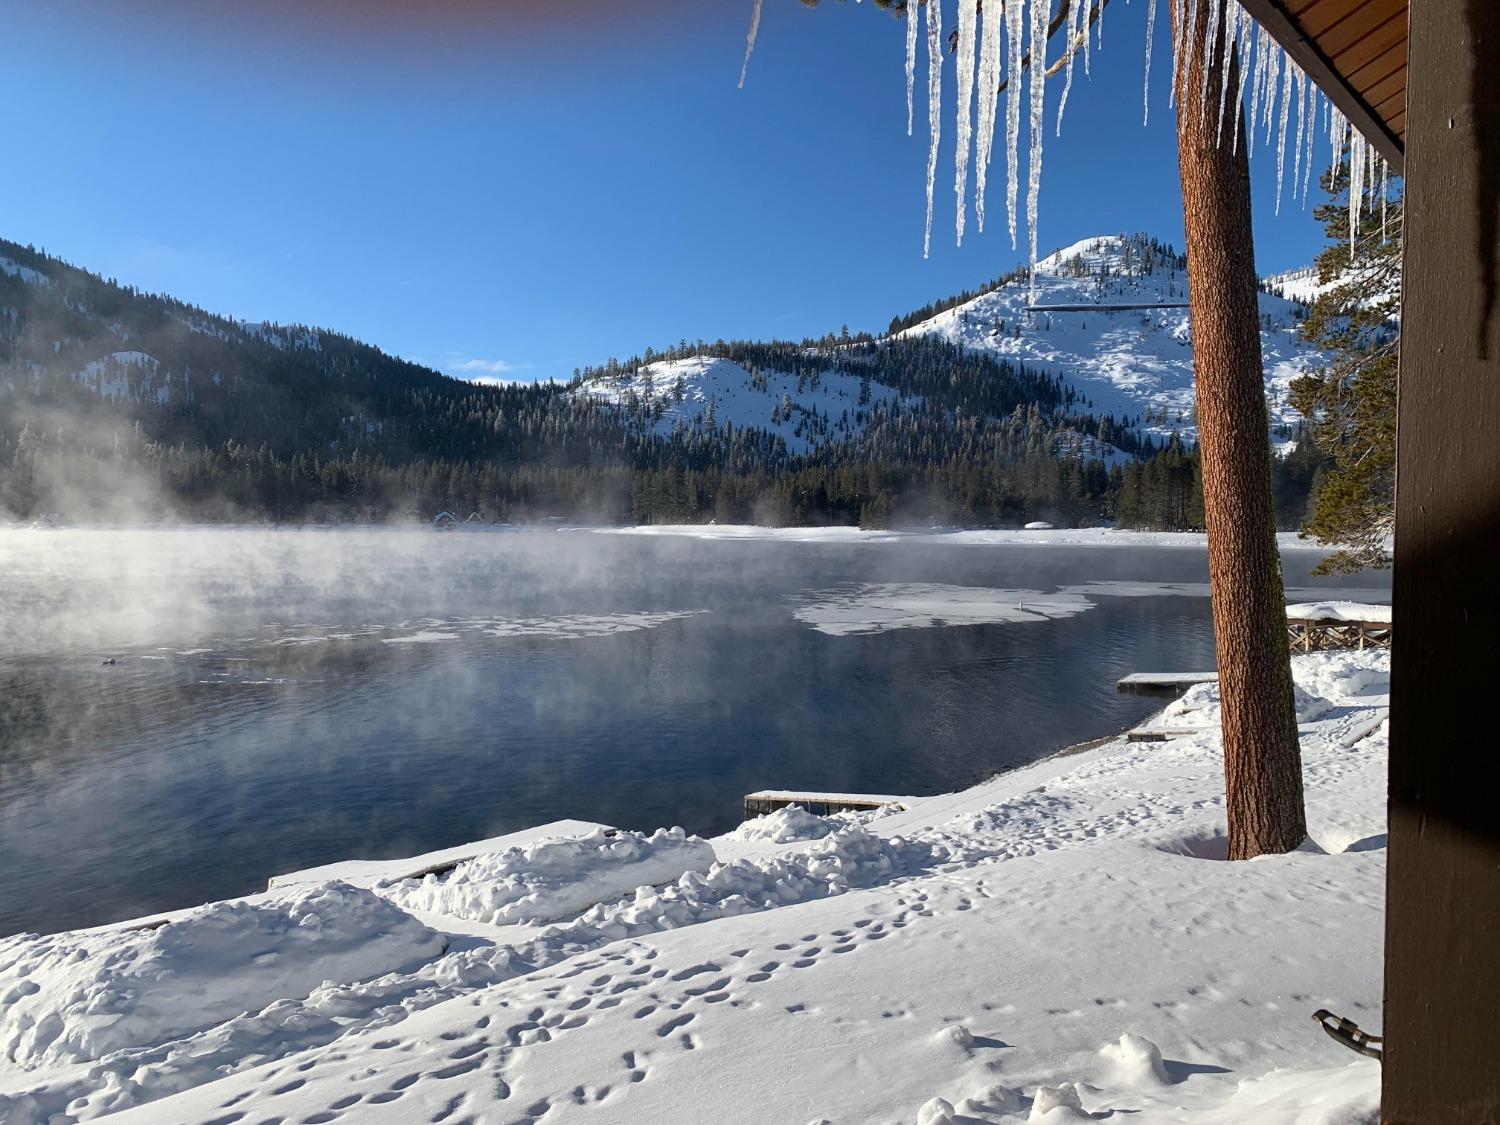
{"points": [[185, 712]]}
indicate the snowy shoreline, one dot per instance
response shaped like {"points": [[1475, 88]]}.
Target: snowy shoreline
{"points": [[1059, 936], [1055, 537]]}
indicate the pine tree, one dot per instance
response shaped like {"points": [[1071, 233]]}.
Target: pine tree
{"points": [[1350, 406]]}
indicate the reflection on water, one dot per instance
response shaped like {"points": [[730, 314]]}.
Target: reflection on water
{"points": [[283, 699]]}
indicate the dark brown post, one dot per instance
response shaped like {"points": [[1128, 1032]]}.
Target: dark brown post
{"points": [[1262, 761], [1442, 968]]}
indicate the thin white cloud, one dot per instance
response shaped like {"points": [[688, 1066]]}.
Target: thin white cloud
{"points": [[478, 367]]}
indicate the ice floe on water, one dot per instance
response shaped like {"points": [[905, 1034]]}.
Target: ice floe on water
{"points": [[882, 606]]}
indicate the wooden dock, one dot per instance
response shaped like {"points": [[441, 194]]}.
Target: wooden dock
{"points": [[819, 804], [1163, 734], [1163, 683], [1319, 634]]}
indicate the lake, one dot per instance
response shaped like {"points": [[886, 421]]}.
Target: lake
{"points": [[280, 699]]}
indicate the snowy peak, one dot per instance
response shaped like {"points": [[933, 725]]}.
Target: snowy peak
{"points": [[1111, 254], [708, 393], [1109, 317]]}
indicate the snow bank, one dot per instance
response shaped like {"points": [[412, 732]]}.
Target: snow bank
{"points": [[554, 879], [840, 861], [77, 996], [785, 825], [1341, 611]]}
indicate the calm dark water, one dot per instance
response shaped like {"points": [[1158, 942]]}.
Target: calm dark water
{"points": [[283, 699]]}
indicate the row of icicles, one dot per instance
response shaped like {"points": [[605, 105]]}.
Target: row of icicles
{"points": [[994, 47]]}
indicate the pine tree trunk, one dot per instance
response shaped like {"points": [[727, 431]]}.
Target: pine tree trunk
{"points": [[1262, 761]]}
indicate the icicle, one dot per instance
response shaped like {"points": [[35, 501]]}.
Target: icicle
{"points": [[911, 57], [1062, 102], [1039, 11], [750, 42], [1086, 30], [1312, 128], [1014, 27], [1190, 45], [1301, 84], [989, 92], [1336, 135], [965, 111], [1356, 185], [1243, 52], [1146, 86], [1099, 24], [1286, 108], [1273, 73], [1385, 187], [934, 106], [1231, 37], [1209, 44], [1259, 57], [1178, 11]]}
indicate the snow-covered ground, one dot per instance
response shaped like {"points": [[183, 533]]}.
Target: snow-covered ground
{"points": [[1058, 942], [1127, 361], [1055, 537]]}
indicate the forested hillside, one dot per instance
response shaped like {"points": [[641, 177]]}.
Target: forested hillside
{"points": [[118, 404]]}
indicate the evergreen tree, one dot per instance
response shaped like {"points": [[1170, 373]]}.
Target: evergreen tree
{"points": [[1350, 406]]}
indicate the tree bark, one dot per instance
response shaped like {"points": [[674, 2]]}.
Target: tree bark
{"points": [[1262, 761]]}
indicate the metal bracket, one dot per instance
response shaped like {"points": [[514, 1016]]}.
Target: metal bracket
{"points": [[1348, 1033]]}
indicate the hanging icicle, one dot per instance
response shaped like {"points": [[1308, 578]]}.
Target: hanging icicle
{"points": [[1085, 4], [1190, 49], [1243, 52], [1231, 37], [1273, 74], [1038, 85], [1356, 186], [750, 41], [1210, 43], [1312, 128], [965, 108], [911, 58], [1258, 58], [934, 107], [989, 93], [1146, 86], [1178, 16], [1286, 107], [1385, 187], [1014, 28], [1301, 84], [1070, 51]]}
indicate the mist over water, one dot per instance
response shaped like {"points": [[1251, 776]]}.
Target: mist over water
{"points": [[280, 699]]}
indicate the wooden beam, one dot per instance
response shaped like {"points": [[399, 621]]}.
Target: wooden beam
{"points": [[1273, 16], [1442, 937]]}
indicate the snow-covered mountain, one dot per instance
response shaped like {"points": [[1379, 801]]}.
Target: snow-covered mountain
{"points": [[803, 411], [1128, 361], [1108, 317]]}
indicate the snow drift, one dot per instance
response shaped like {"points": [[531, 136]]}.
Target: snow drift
{"points": [[554, 879], [77, 996]]}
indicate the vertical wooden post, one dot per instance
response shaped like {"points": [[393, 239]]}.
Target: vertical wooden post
{"points": [[1442, 975]]}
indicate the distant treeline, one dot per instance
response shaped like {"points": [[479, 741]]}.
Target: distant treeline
{"points": [[232, 482], [121, 405]]}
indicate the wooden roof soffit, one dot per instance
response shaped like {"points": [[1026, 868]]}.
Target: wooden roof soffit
{"points": [[1355, 50]]}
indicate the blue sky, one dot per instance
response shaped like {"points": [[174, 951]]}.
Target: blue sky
{"points": [[499, 189]]}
